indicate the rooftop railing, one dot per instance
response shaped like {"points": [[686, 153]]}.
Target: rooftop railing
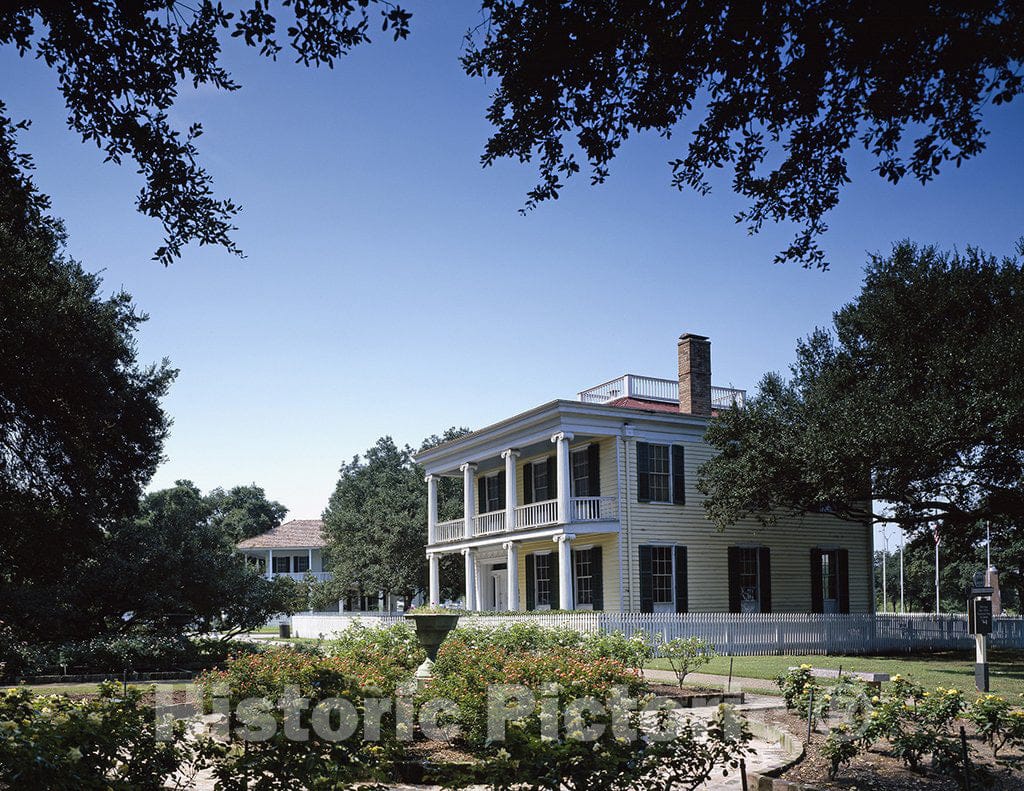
{"points": [[649, 388]]}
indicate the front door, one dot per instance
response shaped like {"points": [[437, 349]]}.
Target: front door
{"points": [[499, 590]]}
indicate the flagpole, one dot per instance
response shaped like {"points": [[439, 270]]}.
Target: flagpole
{"points": [[935, 529], [903, 540]]}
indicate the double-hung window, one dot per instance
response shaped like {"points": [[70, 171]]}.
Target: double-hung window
{"points": [[282, 564], [583, 561], [660, 473], [300, 563], [580, 473], [494, 493], [662, 577], [542, 580]]}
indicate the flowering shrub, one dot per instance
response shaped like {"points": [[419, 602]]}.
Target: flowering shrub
{"points": [[394, 645], [107, 742], [794, 685], [633, 652], [686, 654], [839, 748], [992, 716], [464, 671], [273, 702]]}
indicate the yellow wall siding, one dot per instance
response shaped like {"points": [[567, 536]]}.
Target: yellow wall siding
{"points": [[609, 565], [790, 542]]}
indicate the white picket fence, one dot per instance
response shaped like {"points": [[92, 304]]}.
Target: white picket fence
{"points": [[736, 634]]}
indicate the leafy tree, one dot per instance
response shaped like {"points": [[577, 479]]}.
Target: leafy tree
{"points": [[81, 426], [119, 68], [244, 511], [778, 92], [913, 399], [376, 523]]}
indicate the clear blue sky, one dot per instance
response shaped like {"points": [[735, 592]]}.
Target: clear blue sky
{"points": [[392, 288]]}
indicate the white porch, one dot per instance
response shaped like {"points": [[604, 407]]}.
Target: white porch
{"points": [[490, 541]]}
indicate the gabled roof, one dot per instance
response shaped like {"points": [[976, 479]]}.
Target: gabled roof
{"points": [[296, 534]]}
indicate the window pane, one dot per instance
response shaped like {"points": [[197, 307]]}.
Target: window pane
{"points": [[543, 579], [661, 567], [540, 481], [494, 494], [828, 573], [281, 565], [584, 577], [300, 563], [659, 472], [580, 474], [750, 589]]}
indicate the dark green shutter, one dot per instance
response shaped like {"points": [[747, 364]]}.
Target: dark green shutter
{"points": [[552, 482], [501, 491], [527, 484], [597, 570], [553, 575], [678, 475], [594, 470], [531, 582], [764, 578], [481, 495], [682, 582], [817, 594], [734, 579], [646, 580], [643, 473], [843, 580]]}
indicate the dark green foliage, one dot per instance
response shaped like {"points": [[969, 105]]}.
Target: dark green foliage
{"points": [[107, 742], [244, 511], [913, 398], [778, 92], [120, 67], [81, 427], [376, 523]]}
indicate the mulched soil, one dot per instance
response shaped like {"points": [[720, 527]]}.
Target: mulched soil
{"points": [[875, 770], [673, 690]]}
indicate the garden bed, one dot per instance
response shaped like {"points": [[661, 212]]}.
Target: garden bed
{"points": [[695, 697], [877, 770]]}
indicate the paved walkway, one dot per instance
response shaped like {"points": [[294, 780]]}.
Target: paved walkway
{"points": [[698, 679]]}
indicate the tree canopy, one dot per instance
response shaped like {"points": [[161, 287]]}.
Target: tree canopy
{"points": [[244, 511], [376, 522], [777, 92], [120, 67], [81, 425], [912, 399]]}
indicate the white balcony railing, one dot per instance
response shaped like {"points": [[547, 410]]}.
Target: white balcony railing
{"points": [[537, 514], [493, 522], [299, 576], [452, 530], [594, 509], [727, 397], [542, 514]]}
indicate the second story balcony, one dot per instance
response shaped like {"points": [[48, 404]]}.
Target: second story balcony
{"points": [[648, 388], [540, 514]]}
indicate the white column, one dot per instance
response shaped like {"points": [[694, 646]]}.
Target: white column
{"points": [[512, 562], [435, 579], [468, 496], [565, 597], [563, 474], [470, 579], [309, 569], [270, 563], [431, 510], [510, 457]]}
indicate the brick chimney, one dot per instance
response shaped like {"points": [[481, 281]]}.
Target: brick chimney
{"points": [[694, 374]]}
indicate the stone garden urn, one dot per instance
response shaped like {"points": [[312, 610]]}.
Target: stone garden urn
{"points": [[431, 629]]}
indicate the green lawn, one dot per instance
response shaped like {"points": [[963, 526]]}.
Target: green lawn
{"points": [[89, 688], [945, 669]]}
